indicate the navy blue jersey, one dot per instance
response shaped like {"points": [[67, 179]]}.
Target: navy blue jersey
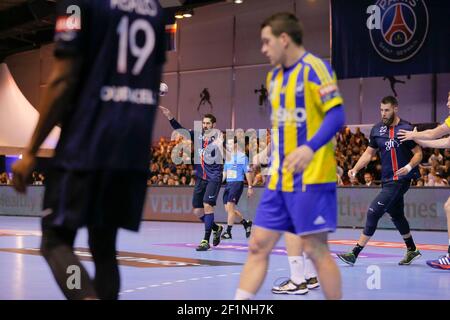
{"points": [[394, 154], [208, 160], [122, 48]]}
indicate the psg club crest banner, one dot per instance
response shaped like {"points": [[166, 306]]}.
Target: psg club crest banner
{"points": [[373, 38]]}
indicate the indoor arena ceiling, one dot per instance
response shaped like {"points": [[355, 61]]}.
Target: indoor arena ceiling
{"points": [[28, 24]]}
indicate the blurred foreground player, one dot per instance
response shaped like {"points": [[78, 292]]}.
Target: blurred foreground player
{"points": [[399, 163], [300, 196], [104, 91], [427, 139]]}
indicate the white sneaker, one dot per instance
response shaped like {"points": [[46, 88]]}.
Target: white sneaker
{"points": [[289, 287]]}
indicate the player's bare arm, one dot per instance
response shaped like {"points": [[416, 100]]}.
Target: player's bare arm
{"points": [[249, 177], [363, 161], [415, 161], [430, 134], [443, 143], [166, 112]]}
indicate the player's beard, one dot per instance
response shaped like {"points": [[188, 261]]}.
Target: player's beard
{"points": [[389, 121]]}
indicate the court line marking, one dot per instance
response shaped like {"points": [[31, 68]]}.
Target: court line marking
{"points": [[168, 283]]}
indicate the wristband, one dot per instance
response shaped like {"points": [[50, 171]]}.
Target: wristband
{"points": [[408, 167]]}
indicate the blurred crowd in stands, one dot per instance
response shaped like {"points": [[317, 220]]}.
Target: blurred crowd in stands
{"points": [[434, 169], [37, 178]]}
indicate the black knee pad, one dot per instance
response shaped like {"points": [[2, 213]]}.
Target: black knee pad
{"points": [[369, 230], [373, 216], [401, 224]]}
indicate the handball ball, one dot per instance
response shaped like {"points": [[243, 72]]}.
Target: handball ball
{"points": [[163, 89]]}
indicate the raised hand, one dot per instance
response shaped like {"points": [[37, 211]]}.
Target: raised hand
{"points": [[166, 112]]}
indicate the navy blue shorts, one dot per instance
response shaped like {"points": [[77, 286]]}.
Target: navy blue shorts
{"points": [[74, 199], [205, 192], [233, 192], [391, 199]]}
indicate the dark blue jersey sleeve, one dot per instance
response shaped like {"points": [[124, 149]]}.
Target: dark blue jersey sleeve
{"points": [[410, 144], [176, 125], [372, 141], [332, 123]]}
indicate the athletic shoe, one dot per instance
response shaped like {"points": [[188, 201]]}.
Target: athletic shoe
{"points": [[442, 263], [348, 258], [409, 257], [312, 283], [289, 287], [216, 236], [248, 228], [226, 235], [203, 246]]}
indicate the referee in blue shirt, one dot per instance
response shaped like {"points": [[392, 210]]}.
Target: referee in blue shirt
{"points": [[235, 170]]}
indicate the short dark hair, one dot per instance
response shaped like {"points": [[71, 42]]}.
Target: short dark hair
{"points": [[211, 117], [389, 100], [285, 22]]}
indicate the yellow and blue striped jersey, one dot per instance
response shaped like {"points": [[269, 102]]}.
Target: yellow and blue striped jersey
{"points": [[300, 96], [447, 121]]}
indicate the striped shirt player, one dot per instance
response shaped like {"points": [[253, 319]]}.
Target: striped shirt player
{"points": [[300, 196], [302, 96]]}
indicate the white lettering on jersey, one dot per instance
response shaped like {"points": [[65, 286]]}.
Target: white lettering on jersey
{"points": [[142, 7], [283, 115], [299, 89], [391, 144], [126, 94]]}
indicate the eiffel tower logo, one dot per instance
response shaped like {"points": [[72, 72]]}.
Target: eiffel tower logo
{"points": [[398, 33]]}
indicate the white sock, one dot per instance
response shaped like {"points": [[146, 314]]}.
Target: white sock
{"points": [[297, 267], [310, 271], [243, 295]]}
